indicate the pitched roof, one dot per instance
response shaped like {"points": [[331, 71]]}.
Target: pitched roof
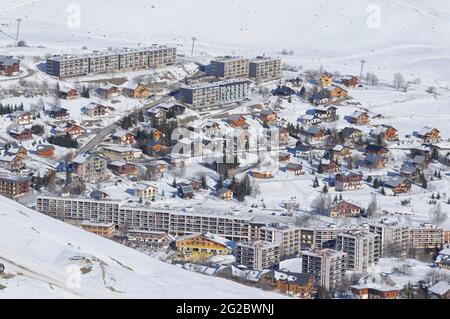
{"points": [[440, 288]]}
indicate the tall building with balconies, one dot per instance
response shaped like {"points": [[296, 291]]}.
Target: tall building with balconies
{"points": [[362, 248], [265, 69], [228, 67]]}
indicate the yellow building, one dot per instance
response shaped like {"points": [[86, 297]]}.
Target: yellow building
{"points": [[102, 229], [202, 245], [326, 79]]}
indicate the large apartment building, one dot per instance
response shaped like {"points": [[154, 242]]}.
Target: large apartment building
{"points": [[258, 255], [111, 61], [426, 236], [394, 237], [265, 69], [209, 94], [228, 67], [14, 186], [326, 265], [124, 215], [287, 236], [362, 248], [322, 237]]}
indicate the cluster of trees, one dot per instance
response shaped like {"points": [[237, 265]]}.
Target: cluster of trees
{"points": [[128, 121], [241, 188], [371, 78], [166, 128], [8, 109], [63, 140], [85, 92], [322, 204], [294, 130], [38, 129]]}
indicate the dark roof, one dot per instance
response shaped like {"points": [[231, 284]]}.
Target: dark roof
{"points": [[374, 148], [319, 96]]}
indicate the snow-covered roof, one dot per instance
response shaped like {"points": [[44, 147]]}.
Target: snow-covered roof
{"points": [[144, 186], [440, 288], [379, 287]]}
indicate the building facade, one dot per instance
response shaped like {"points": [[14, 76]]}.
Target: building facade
{"points": [[265, 69], [236, 228], [13, 186], [111, 61], [362, 248], [209, 94], [394, 238], [326, 265], [230, 67], [258, 255], [287, 236]]}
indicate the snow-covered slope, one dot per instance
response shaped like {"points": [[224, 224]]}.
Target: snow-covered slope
{"points": [[409, 36], [41, 259], [309, 26]]}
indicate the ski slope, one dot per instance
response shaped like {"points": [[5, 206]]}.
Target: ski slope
{"points": [[42, 260]]}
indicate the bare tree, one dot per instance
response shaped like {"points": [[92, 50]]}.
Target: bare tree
{"points": [[322, 204], [399, 80], [373, 206], [437, 216]]}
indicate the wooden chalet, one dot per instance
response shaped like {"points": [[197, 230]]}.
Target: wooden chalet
{"points": [[294, 168], [374, 291], [429, 135], [9, 66], [68, 94], [46, 151], [299, 285], [123, 168], [237, 121], [359, 118], [335, 92], [138, 92], [268, 117], [350, 81], [398, 185], [328, 166], [21, 134], [345, 209], [348, 181]]}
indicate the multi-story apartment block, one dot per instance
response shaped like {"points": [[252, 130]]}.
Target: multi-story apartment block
{"points": [[258, 255], [426, 236], [201, 94], [229, 67], [111, 61], [362, 248], [68, 66], [394, 237], [233, 90], [90, 166], [321, 237], [13, 186], [326, 265], [287, 236], [124, 215], [265, 69], [209, 94]]}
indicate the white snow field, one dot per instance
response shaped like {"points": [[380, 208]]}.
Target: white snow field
{"points": [[392, 35], [43, 258]]}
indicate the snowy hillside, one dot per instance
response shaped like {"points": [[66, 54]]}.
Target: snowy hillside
{"points": [[42, 260], [392, 35], [321, 25]]}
